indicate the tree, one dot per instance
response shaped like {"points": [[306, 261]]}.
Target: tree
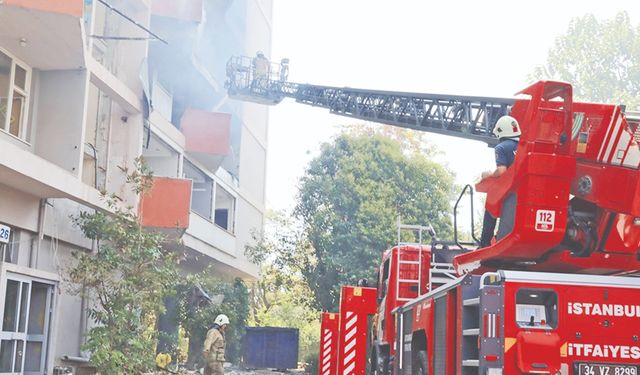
{"points": [[127, 279], [349, 201], [600, 58], [281, 297]]}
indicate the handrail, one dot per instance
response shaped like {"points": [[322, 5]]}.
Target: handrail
{"points": [[455, 218]]}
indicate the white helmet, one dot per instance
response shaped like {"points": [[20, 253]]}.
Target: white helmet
{"points": [[221, 320], [507, 127]]}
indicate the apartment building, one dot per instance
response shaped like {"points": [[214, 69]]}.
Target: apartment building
{"points": [[86, 87]]}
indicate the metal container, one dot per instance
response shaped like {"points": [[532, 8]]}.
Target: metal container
{"points": [[270, 347]]}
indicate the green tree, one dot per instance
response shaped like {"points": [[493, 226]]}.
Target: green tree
{"points": [[127, 278], [600, 58], [349, 201], [281, 297]]}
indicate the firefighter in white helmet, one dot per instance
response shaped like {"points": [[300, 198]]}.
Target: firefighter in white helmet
{"points": [[507, 130], [214, 346]]}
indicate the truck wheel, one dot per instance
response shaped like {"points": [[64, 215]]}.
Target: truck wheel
{"points": [[421, 366]]}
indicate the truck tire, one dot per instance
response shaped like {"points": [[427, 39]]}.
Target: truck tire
{"points": [[421, 365]]}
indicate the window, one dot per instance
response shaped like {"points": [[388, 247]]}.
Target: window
{"points": [[225, 209], [96, 138], [15, 80], [26, 317], [384, 280], [537, 309], [161, 158], [202, 190], [161, 100]]}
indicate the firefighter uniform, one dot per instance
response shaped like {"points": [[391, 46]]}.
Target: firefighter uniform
{"points": [[214, 346]]}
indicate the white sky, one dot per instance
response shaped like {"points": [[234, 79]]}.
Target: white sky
{"points": [[465, 47]]}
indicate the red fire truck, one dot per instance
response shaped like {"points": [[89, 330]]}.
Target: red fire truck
{"points": [[554, 294]]}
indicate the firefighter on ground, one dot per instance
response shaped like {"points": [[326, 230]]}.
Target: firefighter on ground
{"points": [[214, 346], [508, 132]]}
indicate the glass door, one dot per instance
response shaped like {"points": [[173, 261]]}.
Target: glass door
{"points": [[13, 335], [26, 316]]}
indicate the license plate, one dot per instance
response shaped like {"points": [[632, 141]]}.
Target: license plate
{"points": [[606, 369]]}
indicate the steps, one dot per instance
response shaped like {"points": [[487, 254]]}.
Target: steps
{"points": [[470, 326]]}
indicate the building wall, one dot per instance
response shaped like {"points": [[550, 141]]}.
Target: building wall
{"points": [[86, 122]]}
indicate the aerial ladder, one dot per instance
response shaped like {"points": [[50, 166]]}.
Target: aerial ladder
{"points": [[550, 295], [570, 202]]}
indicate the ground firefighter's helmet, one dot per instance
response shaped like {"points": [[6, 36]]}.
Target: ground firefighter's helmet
{"points": [[221, 320], [507, 127]]}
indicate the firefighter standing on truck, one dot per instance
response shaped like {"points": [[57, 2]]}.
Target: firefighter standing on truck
{"points": [[508, 132], [214, 346]]}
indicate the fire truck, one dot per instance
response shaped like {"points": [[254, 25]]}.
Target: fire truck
{"points": [[555, 293]]}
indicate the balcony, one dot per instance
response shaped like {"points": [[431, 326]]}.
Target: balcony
{"points": [[166, 206], [24, 171], [44, 34], [207, 136]]}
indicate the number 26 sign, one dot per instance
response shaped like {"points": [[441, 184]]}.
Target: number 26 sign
{"points": [[5, 231]]}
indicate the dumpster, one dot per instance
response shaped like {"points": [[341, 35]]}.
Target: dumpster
{"points": [[270, 347]]}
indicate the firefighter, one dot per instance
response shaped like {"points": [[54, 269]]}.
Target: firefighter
{"points": [[508, 132], [260, 69], [214, 346]]}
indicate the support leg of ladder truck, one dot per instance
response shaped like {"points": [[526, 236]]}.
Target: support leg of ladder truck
{"points": [[328, 358], [356, 304]]}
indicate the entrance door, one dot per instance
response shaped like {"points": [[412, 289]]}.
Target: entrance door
{"points": [[26, 316]]}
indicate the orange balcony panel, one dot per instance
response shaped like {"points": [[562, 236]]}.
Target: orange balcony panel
{"points": [[207, 136], [167, 204], [69, 7], [186, 10]]}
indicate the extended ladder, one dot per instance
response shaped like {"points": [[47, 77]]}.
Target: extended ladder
{"points": [[471, 117]]}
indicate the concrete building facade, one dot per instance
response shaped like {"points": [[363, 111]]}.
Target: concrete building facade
{"points": [[88, 86]]}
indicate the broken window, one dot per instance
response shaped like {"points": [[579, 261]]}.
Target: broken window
{"points": [[225, 209]]}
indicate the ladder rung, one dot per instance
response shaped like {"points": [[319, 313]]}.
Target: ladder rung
{"points": [[415, 281], [471, 301], [409, 262], [471, 332], [471, 363]]}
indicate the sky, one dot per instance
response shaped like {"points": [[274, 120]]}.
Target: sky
{"points": [[484, 48]]}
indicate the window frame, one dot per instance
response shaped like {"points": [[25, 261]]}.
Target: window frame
{"points": [[11, 272], [217, 182], [25, 92], [550, 312], [231, 221]]}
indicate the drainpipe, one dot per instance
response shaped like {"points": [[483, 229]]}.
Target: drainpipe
{"points": [[35, 250]]}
